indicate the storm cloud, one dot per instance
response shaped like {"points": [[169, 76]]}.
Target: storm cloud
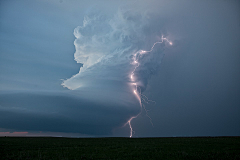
{"points": [[65, 112], [65, 67], [105, 46]]}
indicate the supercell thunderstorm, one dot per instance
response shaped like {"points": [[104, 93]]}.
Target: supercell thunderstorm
{"points": [[126, 47]]}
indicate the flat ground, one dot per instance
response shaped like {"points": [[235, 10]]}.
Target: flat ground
{"points": [[120, 148]]}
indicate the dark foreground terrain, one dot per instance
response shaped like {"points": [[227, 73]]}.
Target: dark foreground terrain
{"points": [[120, 148]]}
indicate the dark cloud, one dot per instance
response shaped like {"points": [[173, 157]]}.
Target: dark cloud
{"points": [[196, 87], [63, 112]]}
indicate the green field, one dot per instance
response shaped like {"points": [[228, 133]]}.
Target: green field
{"points": [[120, 148]]}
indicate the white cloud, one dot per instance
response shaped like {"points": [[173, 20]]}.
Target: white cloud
{"points": [[105, 46]]}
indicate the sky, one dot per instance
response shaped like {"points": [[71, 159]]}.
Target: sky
{"points": [[66, 66]]}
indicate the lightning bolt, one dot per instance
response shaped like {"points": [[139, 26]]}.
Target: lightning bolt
{"points": [[137, 90]]}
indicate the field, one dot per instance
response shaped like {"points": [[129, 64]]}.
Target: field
{"points": [[120, 148]]}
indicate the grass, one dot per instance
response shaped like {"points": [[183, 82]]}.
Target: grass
{"points": [[120, 148]]}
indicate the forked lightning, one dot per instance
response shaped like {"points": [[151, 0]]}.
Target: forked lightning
{"points": [[137, 90]]}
